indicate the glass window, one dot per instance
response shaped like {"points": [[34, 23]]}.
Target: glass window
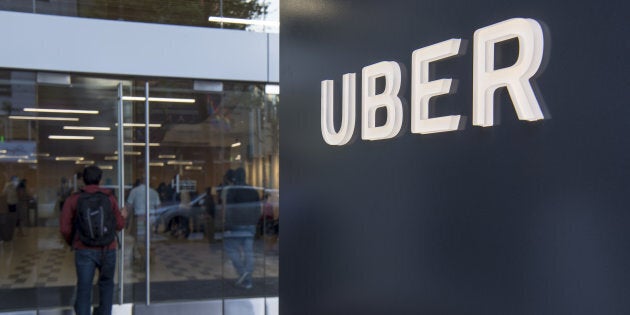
{"points": [[199, 131]]}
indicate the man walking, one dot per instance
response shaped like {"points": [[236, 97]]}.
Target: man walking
{"points": [[89, 221]]}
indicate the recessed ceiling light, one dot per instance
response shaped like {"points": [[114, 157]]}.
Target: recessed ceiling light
{"points": [[167, 156]]}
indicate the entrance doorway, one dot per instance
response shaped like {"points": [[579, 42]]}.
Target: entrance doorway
{"points": [[52, 125]]}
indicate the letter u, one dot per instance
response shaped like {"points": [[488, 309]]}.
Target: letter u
{"points": [[348, 111]]}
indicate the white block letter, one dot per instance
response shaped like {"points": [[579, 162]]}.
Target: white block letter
{"points": [[422, 90], [389, 99], [348, 111], [516, 78]]}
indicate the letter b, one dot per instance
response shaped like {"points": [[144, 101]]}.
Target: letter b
{"points": [[388, 99]]}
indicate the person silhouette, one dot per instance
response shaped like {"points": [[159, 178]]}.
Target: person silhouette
{"points": [[242, 211]]}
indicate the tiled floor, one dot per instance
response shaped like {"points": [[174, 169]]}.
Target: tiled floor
{"points": [[42, 260], [38, 259]]}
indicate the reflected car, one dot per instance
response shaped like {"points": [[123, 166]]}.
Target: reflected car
{"points": [[179, 221], [175, 218]]}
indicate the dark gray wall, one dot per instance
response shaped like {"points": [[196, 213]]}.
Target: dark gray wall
{"points": [[519, 218]]}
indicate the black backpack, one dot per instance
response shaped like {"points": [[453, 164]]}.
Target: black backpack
{"points": [[95, 221], [242, 207]]}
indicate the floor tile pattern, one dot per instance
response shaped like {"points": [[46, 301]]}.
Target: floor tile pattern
{"points": [[41, 259]]}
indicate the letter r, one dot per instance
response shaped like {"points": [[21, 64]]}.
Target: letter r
{"points": [[516, 77]]}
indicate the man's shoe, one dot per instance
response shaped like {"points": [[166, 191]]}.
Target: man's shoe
{"points": [[242, 278]]}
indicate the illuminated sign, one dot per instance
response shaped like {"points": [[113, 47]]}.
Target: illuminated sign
{"points": [[486, 79]]}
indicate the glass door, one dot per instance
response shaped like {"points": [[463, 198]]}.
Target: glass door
{"points": [[200, 135], [51, 126]]}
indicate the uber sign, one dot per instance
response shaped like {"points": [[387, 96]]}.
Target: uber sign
{"points": [[486, 79]]}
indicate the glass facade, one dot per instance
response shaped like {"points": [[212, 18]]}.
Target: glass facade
{"points": [[201, 133]]}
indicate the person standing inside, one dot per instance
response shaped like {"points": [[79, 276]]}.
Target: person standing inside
{"points": [[64, 192], [136, 202], [89, 221], [24, 200], [10, 191], [208, 203]]}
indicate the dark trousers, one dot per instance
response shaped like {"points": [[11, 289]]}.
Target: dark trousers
{"points": [[86, 262]]}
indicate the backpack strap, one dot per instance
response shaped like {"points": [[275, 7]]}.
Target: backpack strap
{"points": [[75, 223]]}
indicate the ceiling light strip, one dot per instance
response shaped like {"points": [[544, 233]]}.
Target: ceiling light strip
{"points": [[69, 158], [44, 118], [160, 99], [57, 137], [140, 125], [61, 111], [139, 144], [172, 100], [13, 157], [86, 128], [272, 89], [243, 21], [133, 98], [130, 152], [179, 163]]}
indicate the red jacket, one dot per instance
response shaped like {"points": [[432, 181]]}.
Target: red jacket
{"points": [[68, 213]]}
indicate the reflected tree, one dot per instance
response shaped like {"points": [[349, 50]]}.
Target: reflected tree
{"points": [[179, 12]]}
